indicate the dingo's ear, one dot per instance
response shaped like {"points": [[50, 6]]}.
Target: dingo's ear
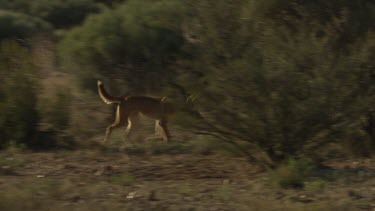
{"points": [[100, 82]]}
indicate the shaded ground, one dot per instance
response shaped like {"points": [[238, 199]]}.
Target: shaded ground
{"points": [[93, 180]]}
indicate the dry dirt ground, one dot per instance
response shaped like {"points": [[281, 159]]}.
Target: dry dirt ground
{"points": [[97, 180]]}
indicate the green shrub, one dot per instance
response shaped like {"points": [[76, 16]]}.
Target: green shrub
{"points": [[292, 174], [55, 120], [56, 110], [19, 116], [63, 13], [287, 83], [22, 6], [17, 25], [59, 13], [136, 41]]}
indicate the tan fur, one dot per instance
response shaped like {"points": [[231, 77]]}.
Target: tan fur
{"points": [[154, 108]]}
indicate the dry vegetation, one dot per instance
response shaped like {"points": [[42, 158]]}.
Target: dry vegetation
{"points": [[289, 85], [106, 179]]}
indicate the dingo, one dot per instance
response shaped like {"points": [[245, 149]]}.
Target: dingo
{"points": [[155, 108]]}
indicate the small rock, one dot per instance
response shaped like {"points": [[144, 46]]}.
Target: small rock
{"points": [[302, 199], [98, 172], [131, 195]]}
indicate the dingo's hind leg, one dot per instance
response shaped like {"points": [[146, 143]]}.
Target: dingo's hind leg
{"points": [[121, 119]]}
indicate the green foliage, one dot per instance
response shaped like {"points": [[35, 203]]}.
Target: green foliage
{"points": [[63, 13], [26, 120], [56, 111], [18, 91], [293, 174], [17, 25], [59, 13], [135, 42], [22, 6], [287, 85], [55, 121], [110, 3]]}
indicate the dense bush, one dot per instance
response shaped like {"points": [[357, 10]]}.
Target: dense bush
{"points": [[27, 118], [286, 85], [54, 124], [111, 3], [134, 42], [63, 13], [18, 91], [17, 25], [59, 13], [22, 6]]}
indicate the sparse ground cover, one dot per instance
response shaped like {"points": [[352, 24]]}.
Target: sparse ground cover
{"points": [[116, 180]]}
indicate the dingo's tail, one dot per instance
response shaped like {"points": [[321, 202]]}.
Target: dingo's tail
{"points": [[105, 96]]}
